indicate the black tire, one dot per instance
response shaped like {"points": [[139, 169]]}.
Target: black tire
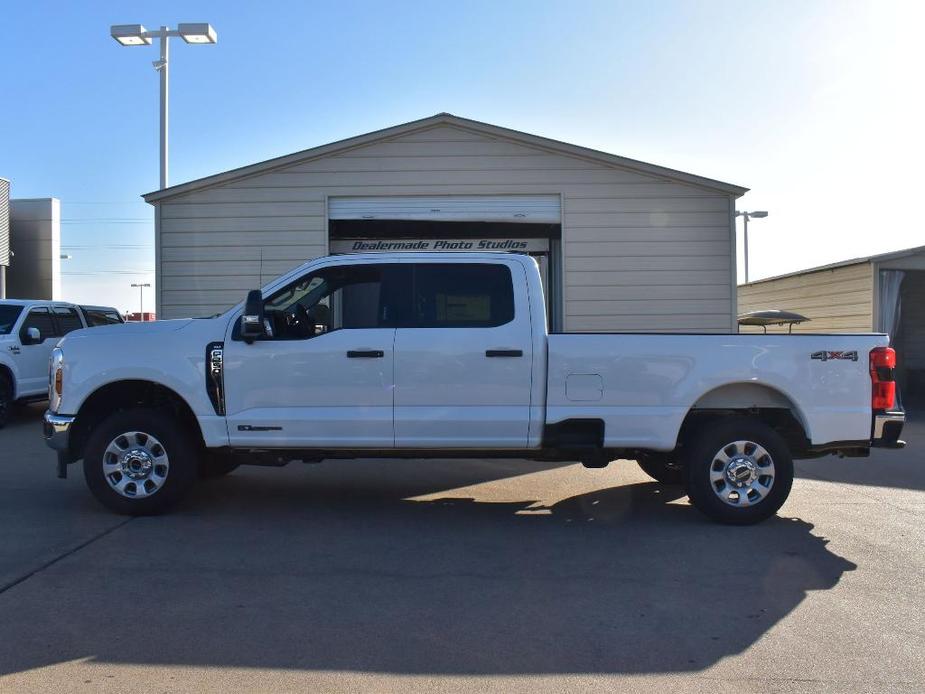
{"points": [[177, 443], [662, 469], [764, 493], [215, 465], [6, 399]]}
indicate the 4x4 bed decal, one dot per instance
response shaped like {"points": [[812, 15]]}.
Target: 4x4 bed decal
{"points": [[825, 356]]}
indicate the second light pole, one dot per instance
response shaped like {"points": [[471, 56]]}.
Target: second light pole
{"points": [[141, 299], [760, 214]]}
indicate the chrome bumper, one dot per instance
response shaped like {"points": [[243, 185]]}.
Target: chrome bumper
{"points": [[888, 426], [57, 429]]}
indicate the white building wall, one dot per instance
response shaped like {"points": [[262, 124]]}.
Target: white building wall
{"points": [[640, 253]]}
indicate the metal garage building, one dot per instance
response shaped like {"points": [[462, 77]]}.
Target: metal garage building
{"points": [[883, 293], [623, 245]]}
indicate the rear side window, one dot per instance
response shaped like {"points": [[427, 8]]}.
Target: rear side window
{"points": [[68, 320], [39, 318], [450, 295], [95, 317]]}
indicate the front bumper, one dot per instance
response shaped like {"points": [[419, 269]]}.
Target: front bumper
{"points": [[888, 427], [57, 430]]}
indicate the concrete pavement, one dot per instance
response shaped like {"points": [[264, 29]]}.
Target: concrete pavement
{"points": [[485, 575]]}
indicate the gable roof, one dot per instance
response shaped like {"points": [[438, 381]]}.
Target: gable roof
{"points": [[878, 258], [448, 119]]}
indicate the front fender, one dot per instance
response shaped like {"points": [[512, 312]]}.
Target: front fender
{"points": [[173, 359]]}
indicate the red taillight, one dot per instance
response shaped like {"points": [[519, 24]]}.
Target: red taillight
{"points": [[883, 387]]}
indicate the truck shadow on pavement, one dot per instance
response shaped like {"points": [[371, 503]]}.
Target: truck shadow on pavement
{"points": [[337, 569]]}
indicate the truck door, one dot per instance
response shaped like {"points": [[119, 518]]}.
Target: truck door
{"points": [[32, 359], [463, 366], [324, 378]]}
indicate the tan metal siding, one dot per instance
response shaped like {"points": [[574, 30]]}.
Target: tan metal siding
{"points": [[640, 252], [835, 300], [648, 263]]}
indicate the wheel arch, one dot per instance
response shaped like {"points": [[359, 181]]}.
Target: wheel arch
{"points": [[125, 394], [7, 371], [762, 401]]}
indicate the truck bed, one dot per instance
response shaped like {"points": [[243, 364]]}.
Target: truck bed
{"points": [[643, 385]]}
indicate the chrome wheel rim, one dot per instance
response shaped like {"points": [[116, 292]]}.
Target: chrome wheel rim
{"points": [[742, 473], [135, 465]]}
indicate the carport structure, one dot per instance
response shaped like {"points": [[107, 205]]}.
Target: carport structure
{"points": [[883, 293]]}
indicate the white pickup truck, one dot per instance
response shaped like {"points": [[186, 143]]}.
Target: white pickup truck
{"points": [[449, 355], [29, 330]]}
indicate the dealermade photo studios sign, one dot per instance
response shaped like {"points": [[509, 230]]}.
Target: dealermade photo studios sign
{"points": [[438, 245]]}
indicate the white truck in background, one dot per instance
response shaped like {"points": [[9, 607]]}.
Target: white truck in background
{"points": [[29, 330], [442, 355]]}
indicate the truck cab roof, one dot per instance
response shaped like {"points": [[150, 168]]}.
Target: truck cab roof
{"points": [[35, 302]]}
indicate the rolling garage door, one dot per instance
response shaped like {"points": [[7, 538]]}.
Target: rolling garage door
{"points": [[454, 223], [527, 209]]}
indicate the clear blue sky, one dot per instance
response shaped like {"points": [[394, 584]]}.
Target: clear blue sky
{"points": [[815, 106]]}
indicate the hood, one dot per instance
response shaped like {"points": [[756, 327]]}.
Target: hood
{"points": [[131, 329], [182, 336], [126, 331]]}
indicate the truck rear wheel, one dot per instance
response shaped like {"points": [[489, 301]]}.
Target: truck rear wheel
{"points": [[6, 399], [662, 469], [140, 462], [739, 471]]}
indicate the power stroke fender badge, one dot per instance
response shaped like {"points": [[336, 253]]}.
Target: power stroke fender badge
{"points": [[826, 356]]}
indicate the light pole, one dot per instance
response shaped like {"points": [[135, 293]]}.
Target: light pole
{"points": [[141, 305], [761, 214], [137, 35]]}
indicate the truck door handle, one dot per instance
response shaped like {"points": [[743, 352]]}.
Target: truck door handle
{"points": [[365, 354], [504, 353]]}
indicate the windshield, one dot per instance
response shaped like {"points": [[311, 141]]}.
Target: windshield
{"points": [[8, 316]]}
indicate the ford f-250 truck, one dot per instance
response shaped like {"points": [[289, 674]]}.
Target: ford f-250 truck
{"points": [[443, 355]]}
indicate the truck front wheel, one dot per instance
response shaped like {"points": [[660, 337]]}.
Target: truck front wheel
{"points": [[739, 471], [139, 462]]}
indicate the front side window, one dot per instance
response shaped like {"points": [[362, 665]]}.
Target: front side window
{"points": [[68, 320], [333, 298], [9, 314], [457, 295], [41, 319]]}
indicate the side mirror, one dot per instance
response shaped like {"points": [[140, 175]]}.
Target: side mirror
{"points": [[33, 336], [252, 324]]}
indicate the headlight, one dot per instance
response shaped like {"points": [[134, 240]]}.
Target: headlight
{"points": [[55, 379]]}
